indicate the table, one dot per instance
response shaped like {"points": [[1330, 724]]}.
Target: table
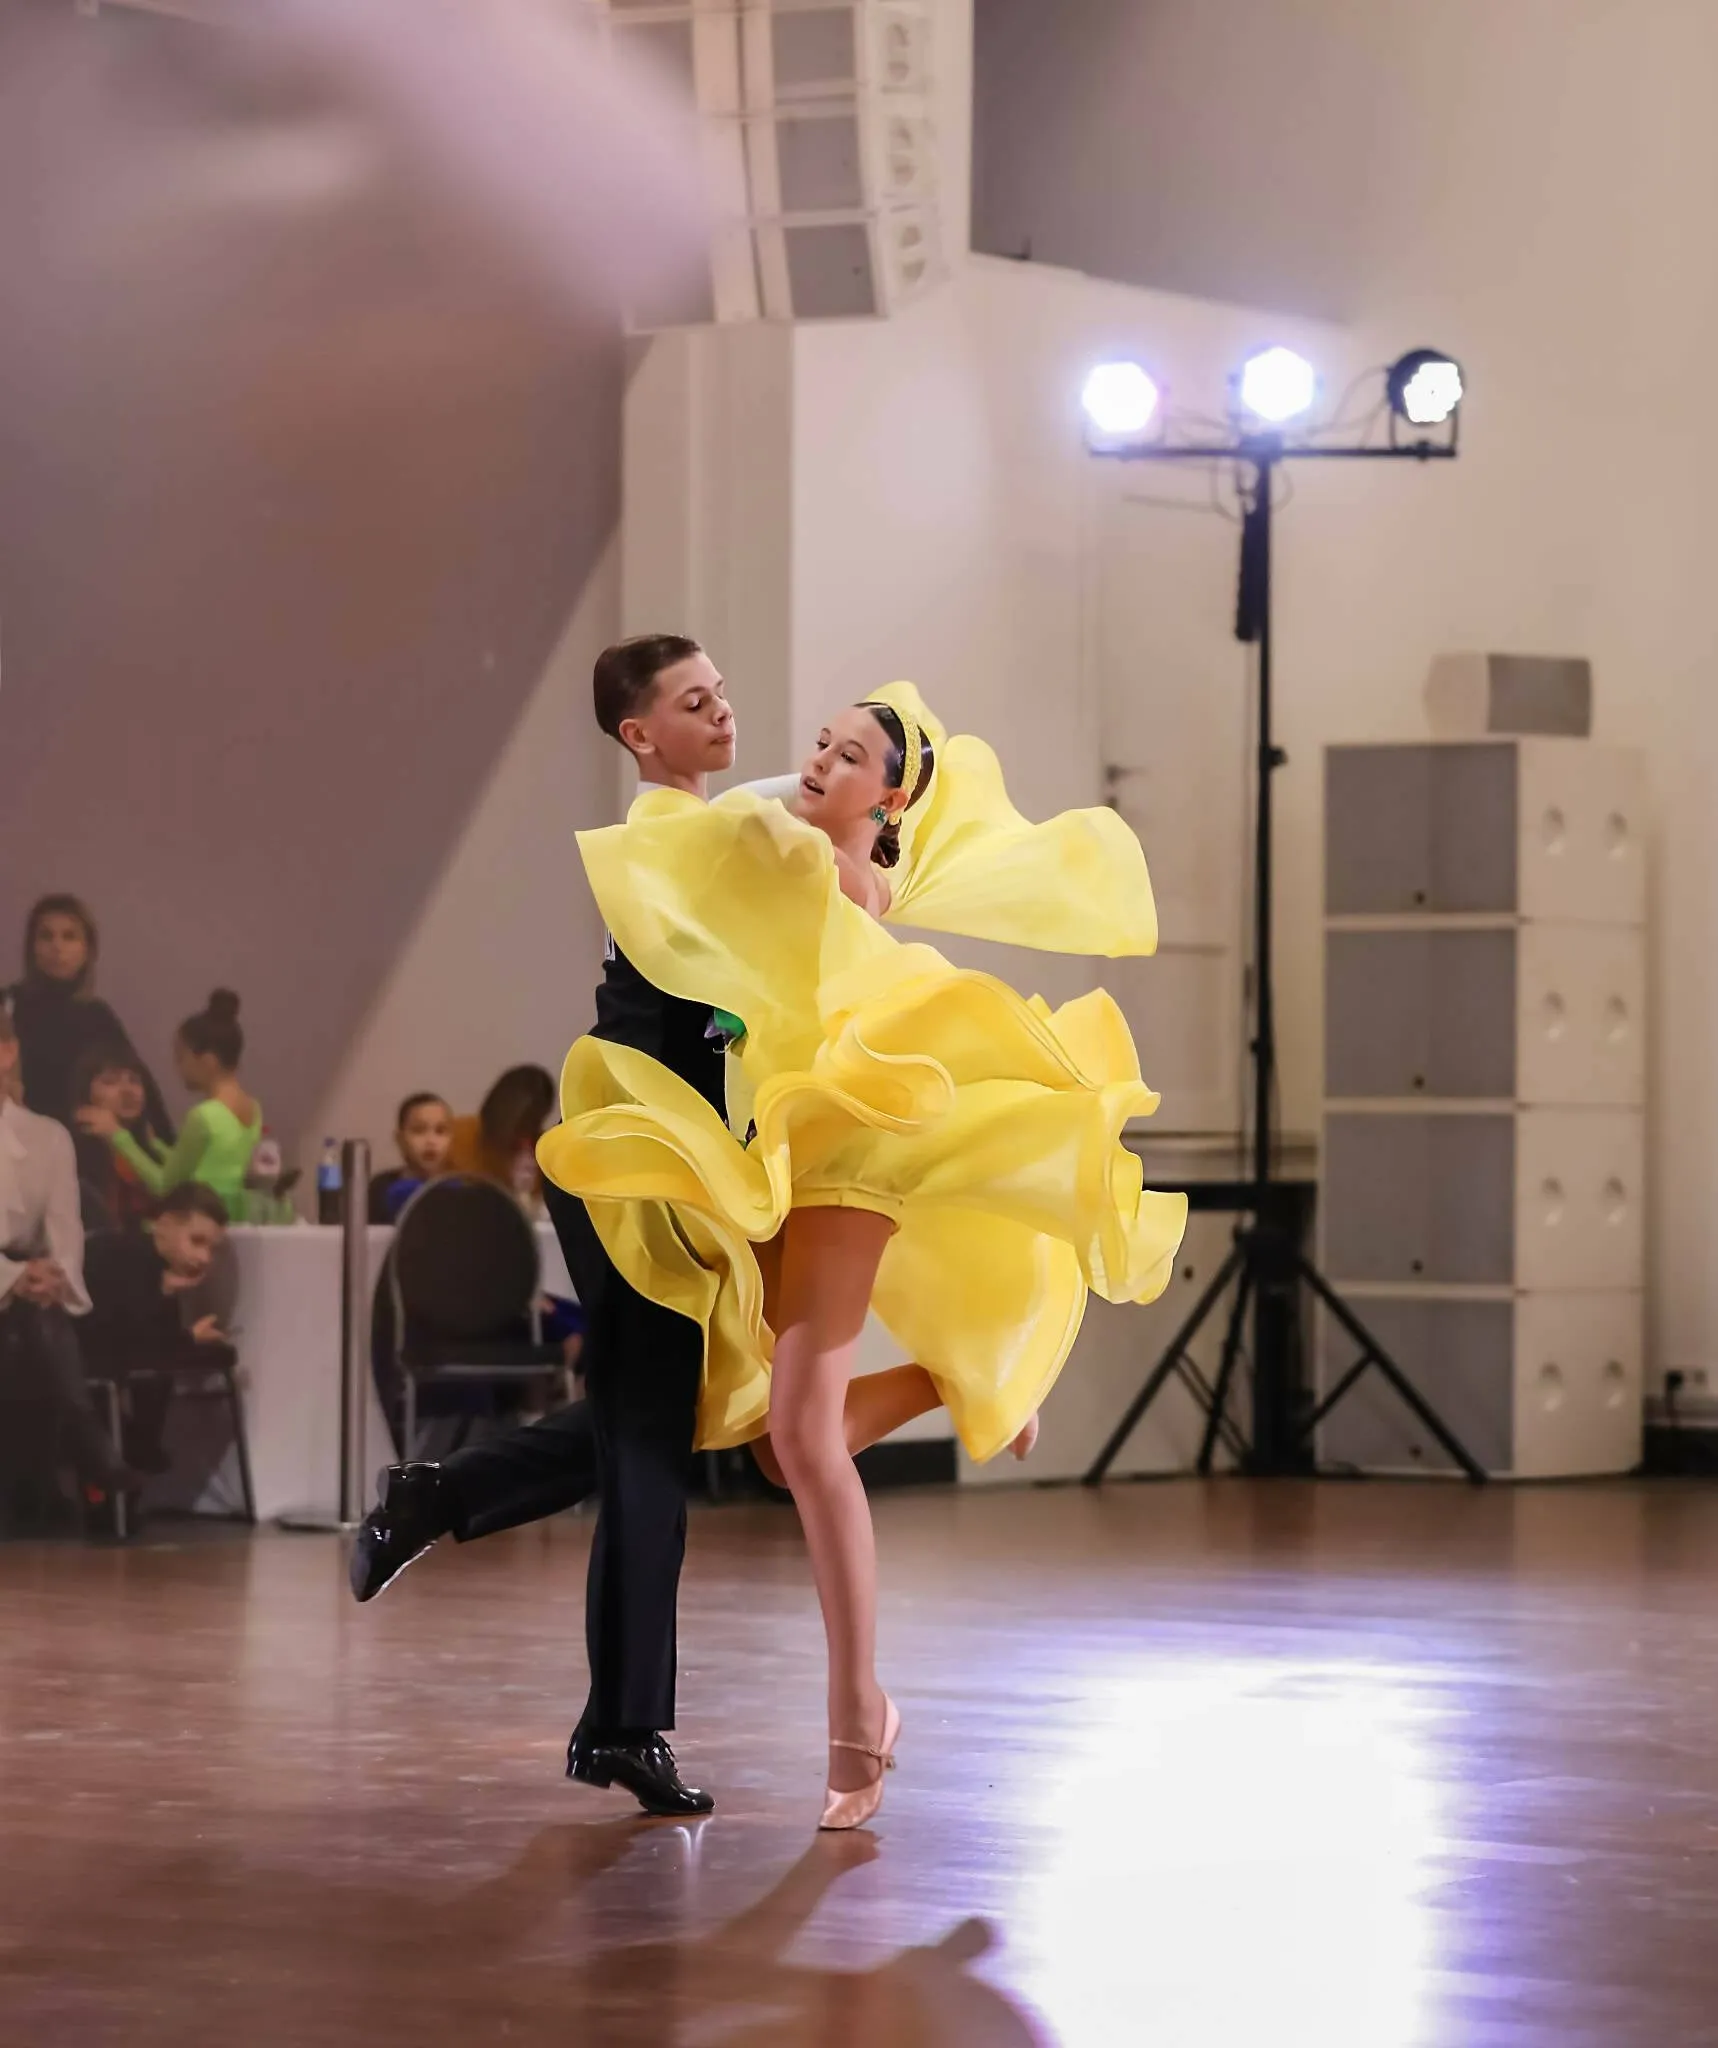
{"points": [[288, 1337]]}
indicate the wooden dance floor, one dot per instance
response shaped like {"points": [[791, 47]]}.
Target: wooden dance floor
{"points": [[1185, 1767]]}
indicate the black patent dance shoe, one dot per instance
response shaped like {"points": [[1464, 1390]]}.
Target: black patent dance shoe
{"points": [[411, 1514], [645, 1767]]}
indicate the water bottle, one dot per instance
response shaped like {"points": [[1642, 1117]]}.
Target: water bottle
{"points": [[262, 1177], [328, 1182]]}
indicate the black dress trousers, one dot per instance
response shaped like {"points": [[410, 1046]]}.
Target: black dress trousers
{"points": [[630, 1441]]}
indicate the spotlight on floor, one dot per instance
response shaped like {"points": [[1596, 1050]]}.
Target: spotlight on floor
{"points": [[1425, 387], [1120, 403], [1277, 385]]}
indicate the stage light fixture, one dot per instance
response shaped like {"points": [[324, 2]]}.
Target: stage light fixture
{"points": [[1277, 385], [1425, 387], [1119, 401], [1268, 1261]]}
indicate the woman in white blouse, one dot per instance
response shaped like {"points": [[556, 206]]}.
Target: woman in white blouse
{"points": [[42, 1269]]}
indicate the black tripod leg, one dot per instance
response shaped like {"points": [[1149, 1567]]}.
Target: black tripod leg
{"points": [[1373, 1353], [1202, 1391], [1219, 1405], [1164, 1367]]}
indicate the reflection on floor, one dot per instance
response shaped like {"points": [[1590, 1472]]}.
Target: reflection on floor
{"points": [[1189, 1766]]}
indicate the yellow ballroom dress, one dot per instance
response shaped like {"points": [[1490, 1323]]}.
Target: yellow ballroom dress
{"points": [[877, 1075]]}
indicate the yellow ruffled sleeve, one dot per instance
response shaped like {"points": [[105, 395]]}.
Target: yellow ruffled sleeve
{"points": [[972, 865]]}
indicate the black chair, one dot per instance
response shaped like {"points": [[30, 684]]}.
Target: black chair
{"points": [[464, 1278], [213, 1375]]}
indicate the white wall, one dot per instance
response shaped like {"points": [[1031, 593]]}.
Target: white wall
{"points": [[707, 496], [501, 965]]}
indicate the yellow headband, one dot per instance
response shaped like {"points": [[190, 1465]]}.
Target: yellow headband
{"points": [[913, 754]]}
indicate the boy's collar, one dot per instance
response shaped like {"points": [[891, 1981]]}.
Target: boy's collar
{"points": [[657, 800]]}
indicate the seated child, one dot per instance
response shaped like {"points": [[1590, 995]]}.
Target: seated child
{"points": [[423, 1130], [110, 1189], [137, 1281]]}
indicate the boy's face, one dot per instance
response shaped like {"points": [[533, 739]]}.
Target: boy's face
{"points": [[425, 1137], [188, 1244], [688, 727]]}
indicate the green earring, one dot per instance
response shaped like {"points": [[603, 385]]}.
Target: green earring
{"points": [[879, 816]]}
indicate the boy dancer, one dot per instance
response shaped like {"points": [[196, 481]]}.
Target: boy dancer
{"points": [[630, 1440]]}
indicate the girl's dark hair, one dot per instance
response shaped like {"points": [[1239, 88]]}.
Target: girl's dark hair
{"points": [[193, 1198], [416, 1101], [60, 905], [215, 1030], [113, 1056], [625, 675], [887, 851], [517, 1107]]}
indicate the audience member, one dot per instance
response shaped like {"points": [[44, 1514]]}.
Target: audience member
{"points": [[60, 1017], [136, 1333], [220, 1133], [423, 1131], [109, 1187], [42, 1280], [500, 1142]]}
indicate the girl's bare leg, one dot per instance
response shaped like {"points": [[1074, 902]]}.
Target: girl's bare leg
{"points": [[829, 1264], [877, 1404]]}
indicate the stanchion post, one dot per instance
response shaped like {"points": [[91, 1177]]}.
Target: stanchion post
{"points": [[354, 1346], [354, 1327]]}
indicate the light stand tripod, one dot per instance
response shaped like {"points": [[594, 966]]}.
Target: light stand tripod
{"points": [[1267, 1261]]}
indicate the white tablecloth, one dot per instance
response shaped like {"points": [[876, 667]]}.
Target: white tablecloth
{"points": [[288, 1337]]}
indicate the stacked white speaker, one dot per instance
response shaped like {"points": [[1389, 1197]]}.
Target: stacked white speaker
{"points": [[1483, 1175], [820, 151]]}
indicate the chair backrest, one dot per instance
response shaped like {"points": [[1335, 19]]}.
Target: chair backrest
{"points": [[464, 1261]]}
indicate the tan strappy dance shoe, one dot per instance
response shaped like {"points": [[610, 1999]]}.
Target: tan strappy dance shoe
{"points": [[853, 1809]]}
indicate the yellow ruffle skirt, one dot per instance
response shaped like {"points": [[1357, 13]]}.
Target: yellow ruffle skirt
{"points": [[987, 1126]]}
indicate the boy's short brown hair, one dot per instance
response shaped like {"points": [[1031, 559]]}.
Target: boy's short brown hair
{"points": [[625, 675]]}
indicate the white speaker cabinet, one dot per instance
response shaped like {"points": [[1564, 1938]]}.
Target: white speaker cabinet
{"points": [[1532, 828], [1544, 1200], [820, 152], [1537, 1386], [807, 50], [1502, 1012], [1481, 1203]]}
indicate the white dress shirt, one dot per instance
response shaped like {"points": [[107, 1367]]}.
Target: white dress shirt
{"points": [[39, 1212], [784, 788]]}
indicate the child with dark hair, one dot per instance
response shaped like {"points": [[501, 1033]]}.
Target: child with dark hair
{"points": [[423, 1130], [111, 1191], [136, 1332], [221, 1132]]}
